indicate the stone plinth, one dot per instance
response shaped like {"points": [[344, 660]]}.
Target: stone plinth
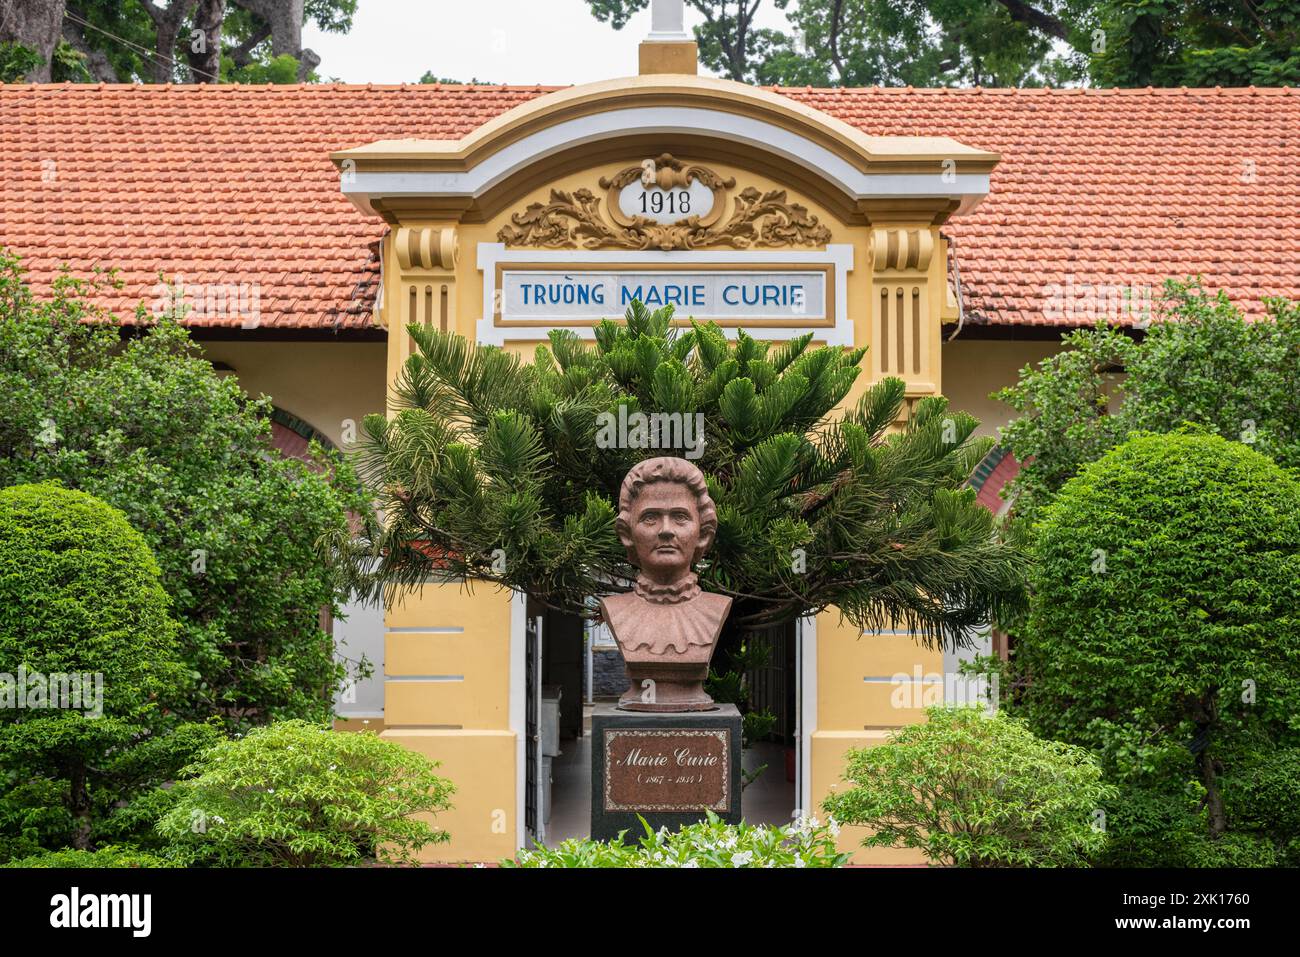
{"points": [[667, 768]]}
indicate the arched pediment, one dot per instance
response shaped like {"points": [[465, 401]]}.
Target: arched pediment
{"points": [[472, 178]]}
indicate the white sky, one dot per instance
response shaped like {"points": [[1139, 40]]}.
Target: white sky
{"points": [[522, 42]]}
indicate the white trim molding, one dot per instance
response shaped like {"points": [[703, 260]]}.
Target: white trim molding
{"points": [[807, 708], [747, 131], [518, 697]]}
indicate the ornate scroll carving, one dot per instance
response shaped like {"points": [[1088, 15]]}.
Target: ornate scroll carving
{"points": [[426, 247], [576, 219], [901, 249], [667, 173]]}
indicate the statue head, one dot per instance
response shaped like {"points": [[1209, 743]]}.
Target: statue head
{"points": [[666, 519]]}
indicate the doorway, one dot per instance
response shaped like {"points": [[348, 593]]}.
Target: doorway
{"points": [[576, 664]]}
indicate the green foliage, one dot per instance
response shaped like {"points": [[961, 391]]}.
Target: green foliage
{"points": [[1197, 43], [16, 61], [506, 472], [236, 528], [280, 69], [294, 794], [881, 42], [710, 843], [1163, 636], [730, 685], [926, 44], [976, 790], [123, 35], [108, 856], [1201, 362], [87, 650], [1126, 43]]}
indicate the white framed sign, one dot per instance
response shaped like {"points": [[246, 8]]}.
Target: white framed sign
{"points": [[559, 294], [775, 294]]}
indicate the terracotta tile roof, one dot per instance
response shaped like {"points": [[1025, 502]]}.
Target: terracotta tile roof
{"points": [[233, 185], [221, 185], [1118, 187]]}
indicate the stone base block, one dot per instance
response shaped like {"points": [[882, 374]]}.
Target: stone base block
{"points": [[667, 768]]}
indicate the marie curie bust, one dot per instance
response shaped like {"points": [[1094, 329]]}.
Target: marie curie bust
{"points": [[666, 626]]}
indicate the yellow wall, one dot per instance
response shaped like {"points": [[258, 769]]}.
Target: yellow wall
{"points": [[466, 726], [447, 696], [322, 383], [973, 369]]}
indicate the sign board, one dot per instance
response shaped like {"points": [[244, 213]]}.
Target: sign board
{"points": [[774, 294], [671, 770], [756, 296]]}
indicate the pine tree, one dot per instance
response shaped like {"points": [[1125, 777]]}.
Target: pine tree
{"points": [[494, 469]]}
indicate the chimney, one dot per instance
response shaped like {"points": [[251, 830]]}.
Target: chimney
{"points": [[668, 48]]}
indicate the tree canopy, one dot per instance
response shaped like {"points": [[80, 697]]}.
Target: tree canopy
{"points": [[149, 426], [498, 470], [166, 41], [1163, 636], [1201, 361], [994, 42]]}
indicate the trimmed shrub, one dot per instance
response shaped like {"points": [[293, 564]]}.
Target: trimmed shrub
{"points": [[294, 794], [86, 645], [710, 843], [976, 790], [107, 856], [1164, 635]]}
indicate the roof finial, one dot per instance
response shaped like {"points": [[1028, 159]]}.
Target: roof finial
{"points": [[668, 48], [668, 21]]}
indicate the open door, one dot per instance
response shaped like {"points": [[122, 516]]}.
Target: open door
{"points": [[534, 817]]}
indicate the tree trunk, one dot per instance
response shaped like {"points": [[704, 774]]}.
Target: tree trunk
{"points": [[285, 18], [1210, 769], [1206, 716], [96, 61], [79, 807], [167, 22], [1031, 16], [205, 62], [37, 25]]}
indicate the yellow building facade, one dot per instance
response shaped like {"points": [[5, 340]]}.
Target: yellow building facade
{"points": [[581, 182]]}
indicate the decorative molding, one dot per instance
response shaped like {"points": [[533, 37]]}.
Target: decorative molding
{"points": [[901, 249], [426, 247], [576, 220]]}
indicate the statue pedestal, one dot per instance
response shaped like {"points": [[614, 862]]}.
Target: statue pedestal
{"points": [[667, 768]]}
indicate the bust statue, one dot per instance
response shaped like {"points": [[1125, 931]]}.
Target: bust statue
{"points": [[666, 627]]}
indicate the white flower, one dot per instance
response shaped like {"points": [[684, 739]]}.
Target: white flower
{"points": [[741, 858], [799, 861], [692, 863]]}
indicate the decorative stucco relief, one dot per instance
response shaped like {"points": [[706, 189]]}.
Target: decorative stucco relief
{"points": [[577, 220]]}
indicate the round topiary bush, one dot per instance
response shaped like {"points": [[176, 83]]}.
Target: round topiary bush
{"points": [[295, 794], [971, 789], [1164, 630], [86, 644]]}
